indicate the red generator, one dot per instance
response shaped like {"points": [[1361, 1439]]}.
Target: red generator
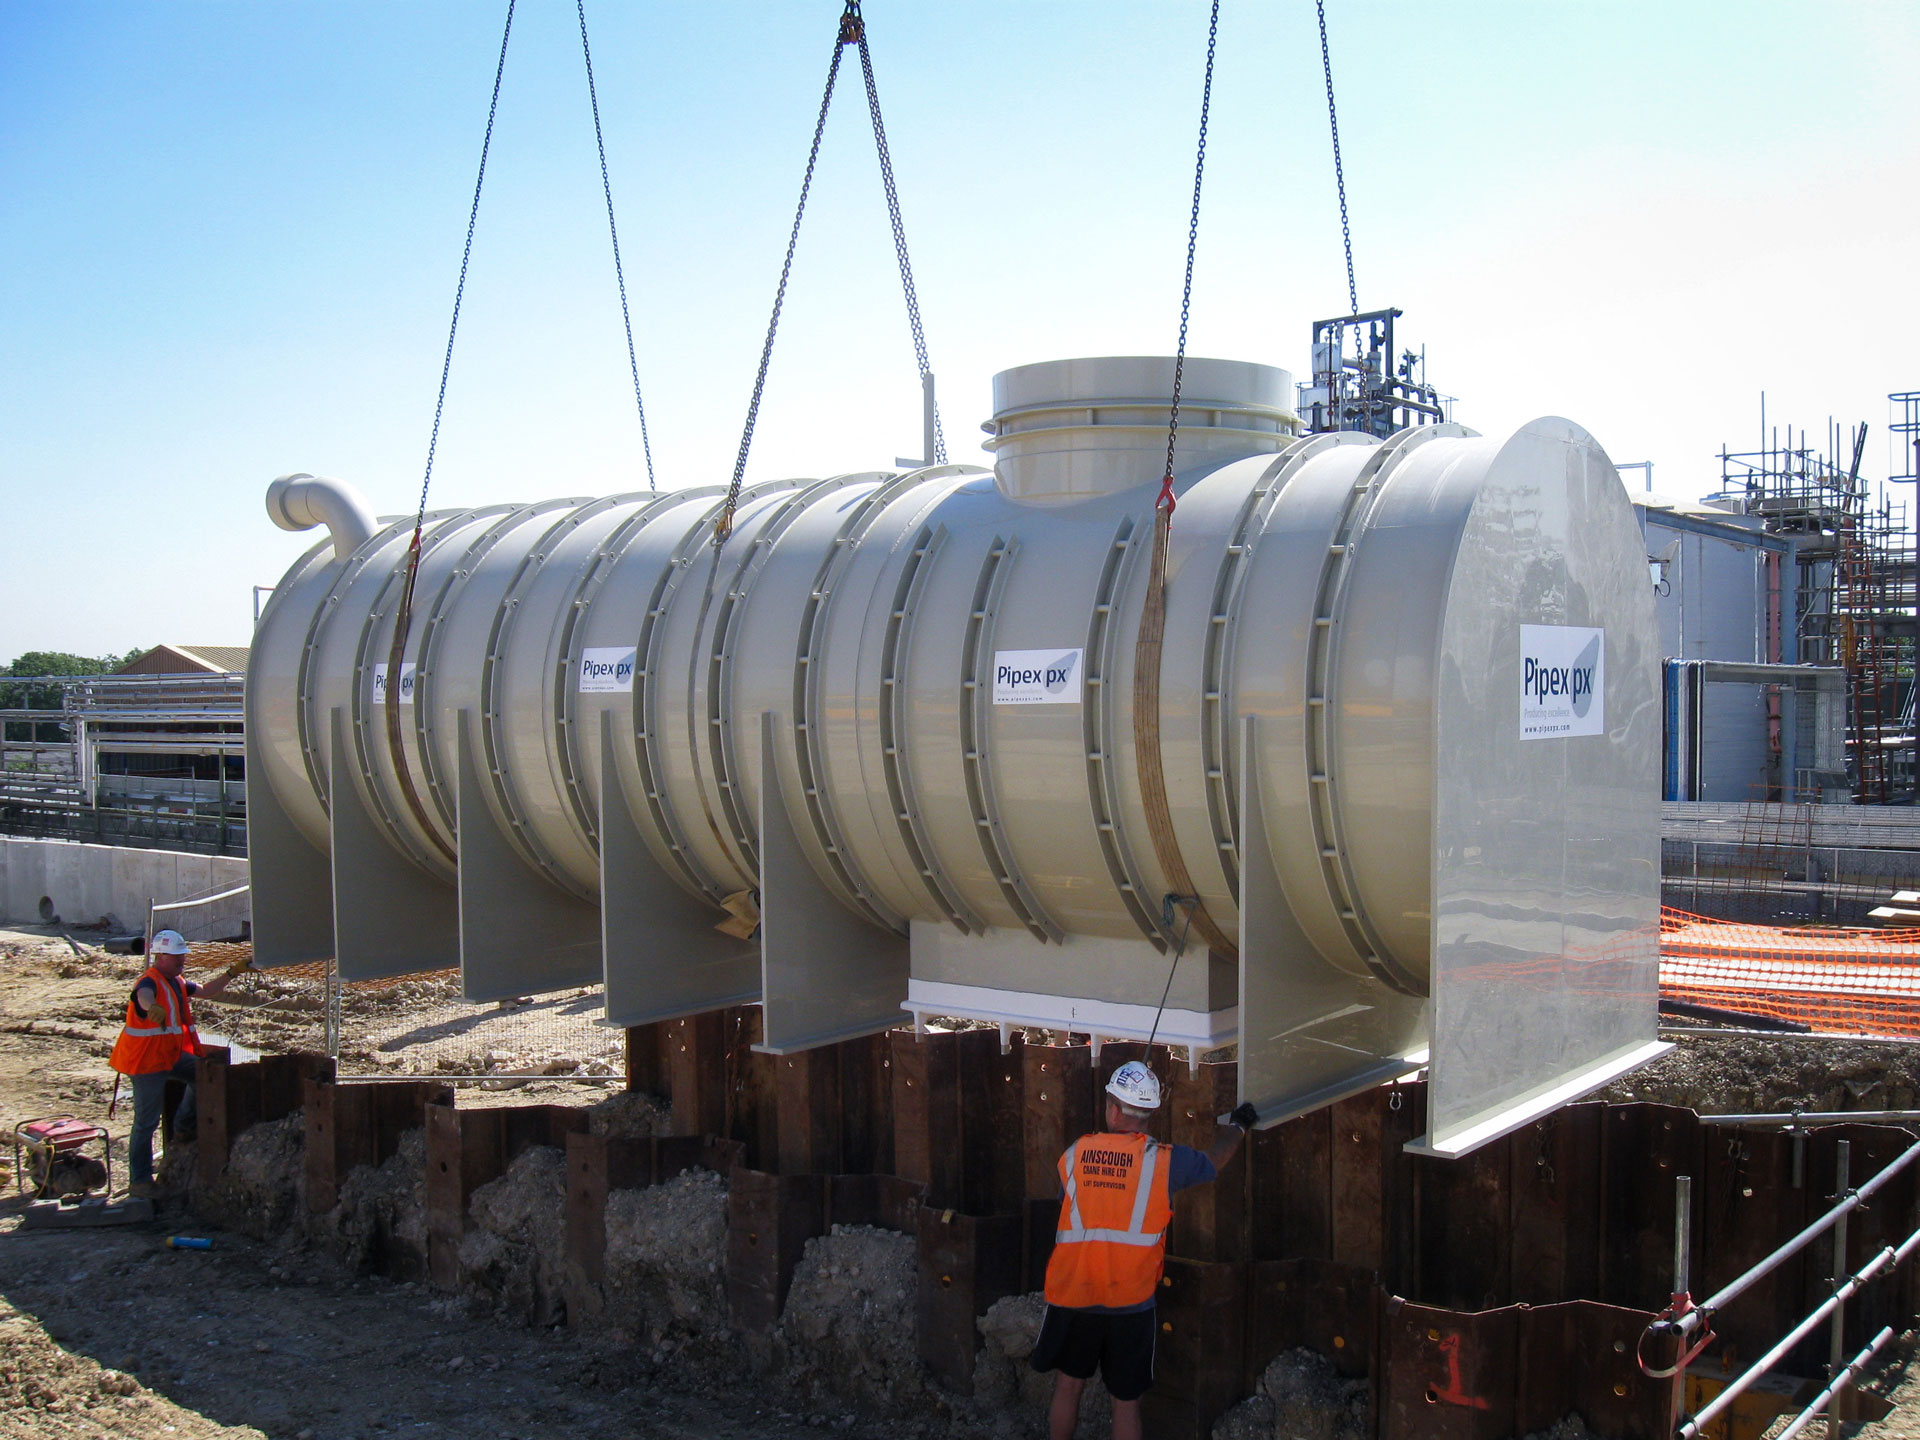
{"points": [[50, 1159]]}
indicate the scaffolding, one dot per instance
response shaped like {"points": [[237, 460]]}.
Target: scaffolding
{"points": [[1854, 549], [1905, 428]]}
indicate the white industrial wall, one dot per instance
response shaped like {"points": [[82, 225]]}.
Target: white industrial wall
{"points": [[88, 882]]}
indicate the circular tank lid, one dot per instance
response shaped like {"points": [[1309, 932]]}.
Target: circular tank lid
{"points": [[1067, 430], [1142, 380]]}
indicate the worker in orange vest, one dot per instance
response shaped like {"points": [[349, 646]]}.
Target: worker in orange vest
{"points": [[1118, 1187], [158, 1043]]}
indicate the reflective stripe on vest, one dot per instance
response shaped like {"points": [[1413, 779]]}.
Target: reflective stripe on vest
{"points": [[1136, 1232], [1111, 1236], [154, 1041]]}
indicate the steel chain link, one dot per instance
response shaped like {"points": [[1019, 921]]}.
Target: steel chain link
{"points": [[939, 456], [1340, 184], [1193, 234], [723, 526], [852, 31], [619, 275]]}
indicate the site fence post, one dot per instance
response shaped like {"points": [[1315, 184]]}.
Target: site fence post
{"points": [[1836, 1334]]}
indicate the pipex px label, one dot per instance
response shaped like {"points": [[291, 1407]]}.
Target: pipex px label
{"points": [[1036, 677], [380, 684], [1563, 681], [606, 668]]}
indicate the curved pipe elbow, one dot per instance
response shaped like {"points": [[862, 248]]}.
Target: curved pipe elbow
{"points": [[300, 502]]}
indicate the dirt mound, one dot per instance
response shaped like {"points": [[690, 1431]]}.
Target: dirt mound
{"points": [[665, 1265], [848, 1327], [264, 1188], [1010, 1397], [628, 1115], [513, 1258], [380, 1222], [1301, 1398], [1737, 1075], [47, 1390]]}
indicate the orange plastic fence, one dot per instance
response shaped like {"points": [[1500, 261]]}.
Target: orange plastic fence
{"points": [[209, 957], [1836, 981]]}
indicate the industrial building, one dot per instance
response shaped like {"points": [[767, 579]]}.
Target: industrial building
{"points": [[151, 755]]}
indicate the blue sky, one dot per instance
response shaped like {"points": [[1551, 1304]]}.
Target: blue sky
{"points": [[229, 236]]}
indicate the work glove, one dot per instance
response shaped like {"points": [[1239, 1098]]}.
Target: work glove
{"points": [[1245, 1116]]}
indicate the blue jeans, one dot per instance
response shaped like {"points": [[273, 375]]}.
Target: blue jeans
{"points": [[149, 1091]]}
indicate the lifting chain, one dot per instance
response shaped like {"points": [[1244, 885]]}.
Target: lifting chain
{"points": [[403, 618], [1340, 185], [619, 275], [852, 31], [1153, 614], [1165, 502], [1339, 171], [396, 675], [939, 456]]}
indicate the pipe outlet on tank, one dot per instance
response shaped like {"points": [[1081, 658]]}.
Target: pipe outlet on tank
{"points": [[302, 502]]}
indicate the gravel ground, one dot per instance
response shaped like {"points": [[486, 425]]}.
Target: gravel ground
{"points": [[1739, 1075]]}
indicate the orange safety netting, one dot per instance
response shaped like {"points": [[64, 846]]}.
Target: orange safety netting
{"points": [[1832, 980], [210, 957]]}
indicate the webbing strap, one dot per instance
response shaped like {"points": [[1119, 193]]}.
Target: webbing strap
{"points": [[1146, 742]]}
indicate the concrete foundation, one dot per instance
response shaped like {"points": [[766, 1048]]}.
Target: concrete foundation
{"points": [[84, 884]]}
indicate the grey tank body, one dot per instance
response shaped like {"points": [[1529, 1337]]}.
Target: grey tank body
{"points": [[891, 719]]}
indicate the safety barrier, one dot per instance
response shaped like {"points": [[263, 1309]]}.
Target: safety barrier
{"points": [[1829, 980], [1688, 1327]]}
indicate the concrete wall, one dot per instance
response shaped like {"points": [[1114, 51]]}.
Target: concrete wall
{"points": [[86, 882]]}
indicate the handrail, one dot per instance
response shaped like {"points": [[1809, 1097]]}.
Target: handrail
{"points": [[1693, 1427], [1840, 1382], [1686, 1324], [1793, 1119], [194, 900]]}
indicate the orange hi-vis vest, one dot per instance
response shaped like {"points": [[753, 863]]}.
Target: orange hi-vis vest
{"points": [[1114, 1211], [154, 1041]]}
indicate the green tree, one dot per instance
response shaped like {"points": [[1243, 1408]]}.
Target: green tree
{"points": [[48, 697], [59, 662]]}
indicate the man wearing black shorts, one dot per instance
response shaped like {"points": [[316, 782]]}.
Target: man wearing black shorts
{"points": [[1117, 1187]]}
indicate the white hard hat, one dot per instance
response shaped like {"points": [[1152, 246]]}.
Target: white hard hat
{"points": [[171, 942], [1134, 1084]]}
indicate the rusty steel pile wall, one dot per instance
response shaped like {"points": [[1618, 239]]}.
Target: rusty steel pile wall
{"points": [[1482, 1298]]}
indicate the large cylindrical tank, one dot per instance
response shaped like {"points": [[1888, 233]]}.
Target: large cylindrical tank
{"points": [[939, 667]]}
